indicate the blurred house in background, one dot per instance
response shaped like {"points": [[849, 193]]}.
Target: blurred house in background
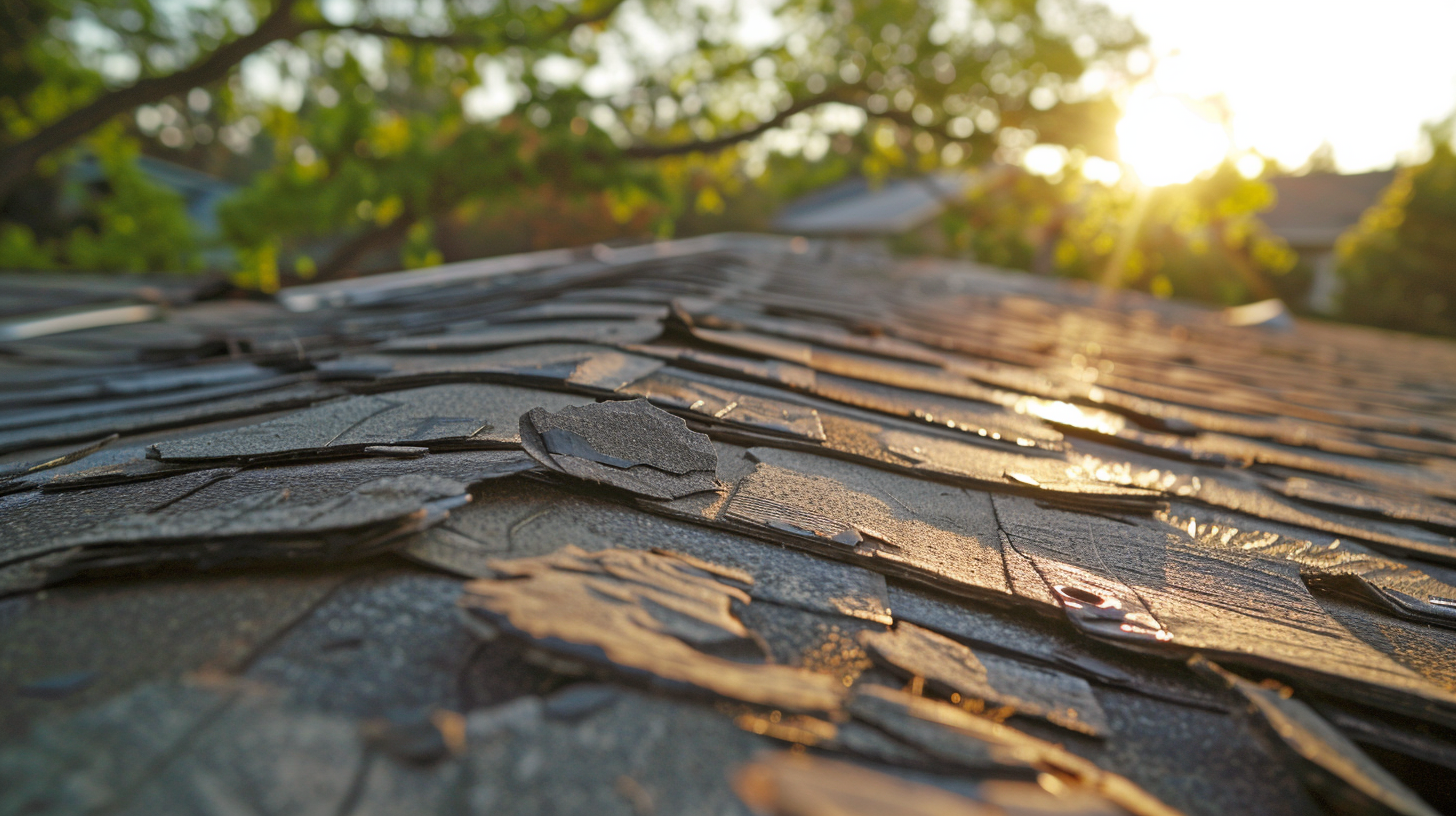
{"points": [[201, 195], [1310, 214], [862, 209]]}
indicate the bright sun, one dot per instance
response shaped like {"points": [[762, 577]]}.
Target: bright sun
{"points": [[1166, 142]]}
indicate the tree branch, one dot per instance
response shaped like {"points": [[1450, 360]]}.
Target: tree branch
{"points": [[18, 159], [387, 33], [573, 20], [567, 24], [343, 260], [721, 142]]}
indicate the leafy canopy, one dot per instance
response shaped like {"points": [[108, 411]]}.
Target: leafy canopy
{"points": [[1201, 240], [385, 120], [1398, 267]]}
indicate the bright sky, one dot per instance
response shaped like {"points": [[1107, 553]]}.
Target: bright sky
{"points": [[1362, 75]]}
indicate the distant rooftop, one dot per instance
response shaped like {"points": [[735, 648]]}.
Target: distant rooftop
{"points": [[201, 193], [861, 207], [1313, 210]]}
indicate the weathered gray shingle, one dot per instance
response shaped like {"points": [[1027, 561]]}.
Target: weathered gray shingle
{"points": [[957, 539]]}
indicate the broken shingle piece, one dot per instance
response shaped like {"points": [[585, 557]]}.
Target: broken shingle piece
{"points": [[118, 381], [719, 400], [77, 412], [514, 334], [396, 451], [635, 754], [801, 784], [105, 467], [1333, 766], [1243, 492], [1065, 550], [985, 420], [326, 511], [1168, 589], [248, 404], [517, 518], [563, 365], [631, 445], [952, 668], [900, 525], [587, 310], [458, 415], [1046, 642], [34, 524], [1418, 510], [977, 743], [786, 784], [651, 615], [10, 473], [1330, 565], [823, 643]]}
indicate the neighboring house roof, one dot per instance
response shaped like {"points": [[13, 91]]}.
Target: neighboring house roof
{"points": [[861, 207], [753, 523], [1311, 211], [201, 193]]}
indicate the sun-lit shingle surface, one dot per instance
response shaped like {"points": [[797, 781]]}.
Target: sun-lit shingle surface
{"points": [[727, 525]]}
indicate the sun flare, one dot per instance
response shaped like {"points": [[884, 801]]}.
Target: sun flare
{"points": [[1166, 142]]}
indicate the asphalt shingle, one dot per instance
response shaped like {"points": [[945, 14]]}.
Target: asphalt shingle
{"points": [[958, 539]]}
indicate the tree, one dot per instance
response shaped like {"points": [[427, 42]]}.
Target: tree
{"points": [[387, 119], [1200, 240], [1398, 265]]}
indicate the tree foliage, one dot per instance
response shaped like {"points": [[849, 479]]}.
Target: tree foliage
{"points": [[389, 121], [1201, 240], [1398, 266], [119, 220]]}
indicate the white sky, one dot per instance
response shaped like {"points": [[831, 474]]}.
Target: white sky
{"points": [[1363, 75]]}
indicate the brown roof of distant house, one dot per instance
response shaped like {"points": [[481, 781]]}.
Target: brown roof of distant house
{"points": [[1312, 210]]}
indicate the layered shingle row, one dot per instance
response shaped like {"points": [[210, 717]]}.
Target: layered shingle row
{"points": [[957, 541]]}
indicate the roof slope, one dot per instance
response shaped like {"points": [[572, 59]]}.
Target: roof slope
{"points": [[727, 525]]}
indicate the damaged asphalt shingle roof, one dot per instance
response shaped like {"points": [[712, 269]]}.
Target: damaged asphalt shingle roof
{"points": [[726, 525]]}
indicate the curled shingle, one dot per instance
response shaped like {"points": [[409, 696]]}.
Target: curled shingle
{"points": [[630, 445], [654, 615], [988, 679]]}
